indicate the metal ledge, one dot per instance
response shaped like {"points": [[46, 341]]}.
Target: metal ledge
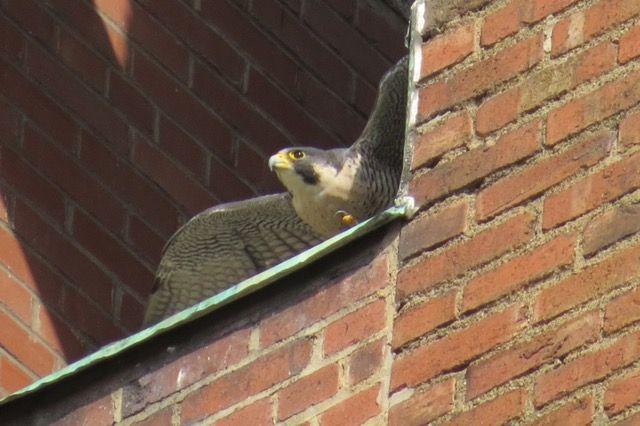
{"points": [[402, 209]]}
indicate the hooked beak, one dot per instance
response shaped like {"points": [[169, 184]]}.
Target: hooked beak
{"points": [[279, 161]]}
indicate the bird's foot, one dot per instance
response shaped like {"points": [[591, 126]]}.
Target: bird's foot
{"points": [[346, 220]]}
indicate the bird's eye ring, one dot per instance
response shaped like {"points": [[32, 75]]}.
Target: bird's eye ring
{"points": [[296, 154]]}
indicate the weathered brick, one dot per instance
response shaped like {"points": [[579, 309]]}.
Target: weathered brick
{"points": [[15, 296], [592, 281], [159, 418], [479, 78], [354, 410], [261, 374], [518, 272], [517, 13], [258, 413], [460, 258], [456, 349], [580, 113], [582, 26], [428, 231], [185, 371], [421, 319], [588, 368], [100, 413], [424, 406], [611, 226], [355, 327], [309, 390], [447, 49], [499, 410], [632, 420], [535, 179], [366, 361], [629, 45], [60, 335], [22, 344], [630, 129], [12, 376], [529, 355], [621, 311], [621, 394], [345, 291], [543, 85], [581, 412], [435, 140], [592, 191], [476, 164]]}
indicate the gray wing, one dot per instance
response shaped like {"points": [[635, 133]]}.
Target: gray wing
{"points": [[222, 246]]}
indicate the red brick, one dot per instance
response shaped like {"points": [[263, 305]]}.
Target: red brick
{"points": [[543, 85], [146, 241], [60, 251], [479, 78], [621, 394], [589, 368], [384, 28], [144, 196], [622, 311], [452, 132], [186, 191], [32, 18], [226, 185], [630, 45], [24, 179], [12, 377], [345, 291], [476, 164], [203, 39], [19, 341], [15, 297], [13, 45], [423, 318], [131, 313], [462, 257], [529, 355], [98, 413], [10, 123], [366, 361], [187, 370], [518, 272], [592, 191], [499, 410], [183, 148], [180, 104], [60, 336], [632, 420], [78, 183], [424, 406], [612, 226], [592, 281], [580, 113], [582, 26], [359, 52], [581, 412], [84, 103], [131, 103], [157, 40], [544, 174], [456, 349], [426, 232], [159, 418], [354, 410], [87, 65], [258, 413], [447, 49], [261, 374], [309, 390], [112, 253], [630, 129], [355, 327], [88, 318]]}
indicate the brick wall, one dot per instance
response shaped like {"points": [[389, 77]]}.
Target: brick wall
{"points": [[119, 119], [516, 290], [510, 297]]}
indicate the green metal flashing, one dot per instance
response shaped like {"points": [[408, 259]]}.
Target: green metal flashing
{"points": [[250, 285]]}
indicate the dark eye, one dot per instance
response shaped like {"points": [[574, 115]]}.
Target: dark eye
{"points": [[296, 154]]}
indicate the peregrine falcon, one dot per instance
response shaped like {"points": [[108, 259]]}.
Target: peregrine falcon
{"points": [[328, 191]]}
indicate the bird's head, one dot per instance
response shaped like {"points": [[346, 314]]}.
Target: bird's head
{"points": [[302, 168]]}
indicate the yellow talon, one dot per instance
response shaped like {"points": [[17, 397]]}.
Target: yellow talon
{"points": [[346, 219]]}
